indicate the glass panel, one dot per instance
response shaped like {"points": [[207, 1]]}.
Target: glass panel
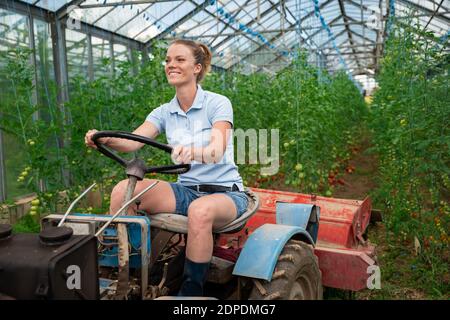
{"points": [[175, 15], [230, 6], [91, 16], [210, 27], [218, 40], [46, 86], [13, 30], [164, 21], [14, 34], [77, 54], [51, 5], [120, 52], [100, 57], [152, 15], [250, 11]]}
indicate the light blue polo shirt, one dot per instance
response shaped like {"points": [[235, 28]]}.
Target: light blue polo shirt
{"points": [[194, 127]]}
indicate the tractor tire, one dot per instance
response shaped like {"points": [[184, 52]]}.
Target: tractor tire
{"points": [[296, 276]]}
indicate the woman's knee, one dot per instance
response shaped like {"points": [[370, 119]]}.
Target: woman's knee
{"points": [[119, 189], [200, 215]]}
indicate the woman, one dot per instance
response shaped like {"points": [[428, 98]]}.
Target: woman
{"points": [[198, 125]]}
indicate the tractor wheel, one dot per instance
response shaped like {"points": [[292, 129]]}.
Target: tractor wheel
{"points": [[296, 276]]}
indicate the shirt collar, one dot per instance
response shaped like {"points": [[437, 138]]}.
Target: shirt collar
{"points": [[198, 101]]}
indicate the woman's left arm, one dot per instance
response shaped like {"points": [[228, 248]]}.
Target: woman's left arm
{"points": [[212, 153]]}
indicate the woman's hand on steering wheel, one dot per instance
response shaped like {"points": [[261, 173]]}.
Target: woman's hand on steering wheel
{"points": [[89, 142], [182, 154], [135, 167]]}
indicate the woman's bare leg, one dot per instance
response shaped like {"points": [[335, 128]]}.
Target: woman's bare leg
{"points": [[204, 213], [158, 199]]}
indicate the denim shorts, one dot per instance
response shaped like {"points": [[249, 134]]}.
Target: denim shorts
{"points": [[184, 197]]}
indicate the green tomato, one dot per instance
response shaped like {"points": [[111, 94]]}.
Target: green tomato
{"points": [[301, 175], [35, 202], [33, 212], [286, 144], [34, 208], [298, 167]]}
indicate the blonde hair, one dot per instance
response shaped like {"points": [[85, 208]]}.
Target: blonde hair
{"points": [[202, 55]]}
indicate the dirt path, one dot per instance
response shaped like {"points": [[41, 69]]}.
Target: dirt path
{"points": [[359, 181]]}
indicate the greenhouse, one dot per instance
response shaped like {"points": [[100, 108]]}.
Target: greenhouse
{"points": [[339, 152]]}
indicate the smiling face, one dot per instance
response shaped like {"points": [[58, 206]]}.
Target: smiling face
{"points": [[180, 65]]}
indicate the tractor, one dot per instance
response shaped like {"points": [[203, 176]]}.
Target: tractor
{"points": [[276, 250]]}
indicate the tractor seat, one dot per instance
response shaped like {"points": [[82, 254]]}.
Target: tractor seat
{"points": [[179, 224]]}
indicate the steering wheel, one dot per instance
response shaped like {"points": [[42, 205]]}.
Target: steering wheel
{"points": [[137, 167]]}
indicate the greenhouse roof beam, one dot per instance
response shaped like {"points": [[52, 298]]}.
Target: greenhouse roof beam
{"points": [[234, 12], [423, 9], [273, 61], [107, 35], [262, 15], [27, 9], [300, 23], [266, 12], [331, 24], [371, 41], [344, 17], [277, 57], [225, 26], [358, 22], [234, 28], [189, 15], [360, 6], [262, 46], [281, 33], [341, 46], [149, 26], [134, 17], [68, 8], [434, 14], [405, 26], [331, 39], [123, 3], [350, 53], [294, 28]]}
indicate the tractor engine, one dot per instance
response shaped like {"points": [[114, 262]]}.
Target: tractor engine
{"points": [[52, 265]]}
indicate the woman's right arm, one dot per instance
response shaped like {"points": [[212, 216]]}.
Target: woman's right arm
{"points": [[147, 129]]}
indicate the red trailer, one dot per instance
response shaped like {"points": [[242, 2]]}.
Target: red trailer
{"points": [[344, 255]]}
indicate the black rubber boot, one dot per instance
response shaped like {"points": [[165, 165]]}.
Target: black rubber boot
{"points": [[194, 277]]}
